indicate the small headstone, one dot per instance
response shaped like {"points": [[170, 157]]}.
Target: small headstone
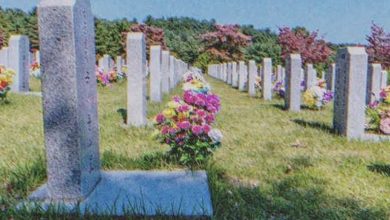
{"points": [[105, 63], [119, 65], [374, 75], [136, 83], [229, 73], [155, 74], [252, 78], [18, 60], [330, 77], [165, 71], [384, 79], [310, 76], [234, 75], [242, 76], [293, 83], [266, 82], [279, 73], [350, 96]]}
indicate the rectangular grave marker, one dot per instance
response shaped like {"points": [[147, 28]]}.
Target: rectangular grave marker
{"points": [[373, 82], [18, 60], [293, 83], [266, 82], [155, 74], [252, 78], [165, 71]]}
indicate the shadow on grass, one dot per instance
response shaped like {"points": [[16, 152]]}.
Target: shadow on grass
{"points": [[295, 196], [314, 124], [279, 106], [381, 168]]}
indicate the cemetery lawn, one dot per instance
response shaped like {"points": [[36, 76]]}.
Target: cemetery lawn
{"points": [[272, 164]]}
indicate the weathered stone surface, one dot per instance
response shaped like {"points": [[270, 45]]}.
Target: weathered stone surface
{"points": [[293, 83], [171, 72], [4, 56], [234, 75], [350, 96], [165, 71], [279, 73], [136, 83], [374, 75], [119, 63], [310, 76], [242, 76], [148, 193], [330, 77], [155, 74], [384, 79], [105, 63], [266, 82], [67, 43], [252, 78], [18, 60]]}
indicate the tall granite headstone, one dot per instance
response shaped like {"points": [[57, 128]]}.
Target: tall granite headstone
{"points": [[293, 83], [384, 79], [252, 78], [242, 76], [171, 72], [266, 82], [310, 76], [119, 63], [234, 75], [165, 71], [350, 95], [330, 77], [70, 116], [155, 74], [18, 60], [374, 75], [136, 83]]}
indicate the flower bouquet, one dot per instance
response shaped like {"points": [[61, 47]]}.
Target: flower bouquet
{"points": [[317, 96], [186, 123], [279, 89], [378, 113], [35, 70], [6, 79], [106, 79]]}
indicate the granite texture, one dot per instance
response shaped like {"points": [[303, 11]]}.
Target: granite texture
{"points": [[374, 76], [330, 77], [171, 72], [350, 95], [293, 83], [70, 116], [242, 76], [165, 71], [155, 74], [234, 75], [266, 82], [310, 76], [136, 82], [252, 78], [18, 60]]}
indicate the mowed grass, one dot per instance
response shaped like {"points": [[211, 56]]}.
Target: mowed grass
{"points": [[272, 163]]}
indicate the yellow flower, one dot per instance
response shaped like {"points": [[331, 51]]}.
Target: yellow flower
{"points": [[169, 113], [308, 99], [173, 105]]}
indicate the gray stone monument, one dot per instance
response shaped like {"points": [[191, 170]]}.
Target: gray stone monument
{"points": [[4, 56], [373, 82], [293, 83], [155, 74], [165, 71], [330, 77], [171, 72], [136, 83], [350, 95], [266, 82], [119, 63], [310, 76], [69, 100], [252, 78], [384, 79], [234, 75], [105, 63], [242, 76], [18, 60], [279, 73]]}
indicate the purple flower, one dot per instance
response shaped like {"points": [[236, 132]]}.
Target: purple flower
{"points": [[373, 105], [210, 118], [328, 96], [176, 98], [197, 129], [200, 113], [183, 108], [172, 131], [184, 125], [160, 118], [164, 130], [206, 128]]}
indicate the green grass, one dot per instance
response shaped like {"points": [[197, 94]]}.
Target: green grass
{"points": [[272, 163]]}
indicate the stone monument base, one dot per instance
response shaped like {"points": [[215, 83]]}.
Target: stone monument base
{"points": [[146, 193]]}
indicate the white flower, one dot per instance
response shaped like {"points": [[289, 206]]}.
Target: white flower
{"points": [[215, 135], [318, 93]]}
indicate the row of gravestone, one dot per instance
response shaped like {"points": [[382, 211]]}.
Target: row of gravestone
{"points": [[71, 127], [354, 82]]}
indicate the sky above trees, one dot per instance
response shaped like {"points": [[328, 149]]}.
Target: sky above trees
{"points": [[339, 21]]}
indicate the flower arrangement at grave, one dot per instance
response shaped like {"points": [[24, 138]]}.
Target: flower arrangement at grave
{"points": [[186, 124], [317, 96], [378, 113], [258, 83], [106, 79], [279, 89], [35, 70], [6, 80]]}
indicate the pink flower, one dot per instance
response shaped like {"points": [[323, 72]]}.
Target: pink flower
{"points": [[183, 108], [164, 130], [184, 125], [160, 118], [172, 131], [206, 128], [210, 118], [197, 129], [200, 113], [385, 126]]}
